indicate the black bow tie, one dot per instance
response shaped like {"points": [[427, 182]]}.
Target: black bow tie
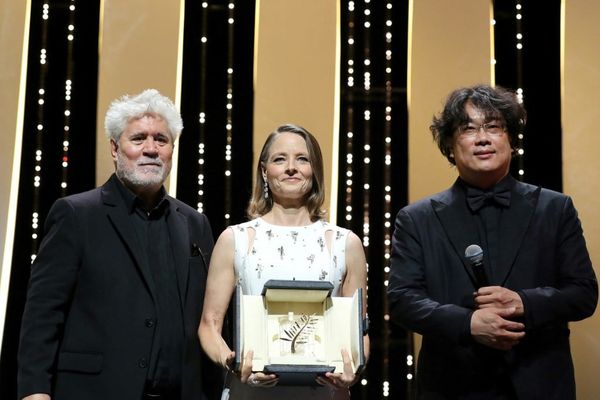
{"points": [[477, 198]]}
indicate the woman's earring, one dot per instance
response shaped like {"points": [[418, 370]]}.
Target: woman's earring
{"points": [[266, 189]]}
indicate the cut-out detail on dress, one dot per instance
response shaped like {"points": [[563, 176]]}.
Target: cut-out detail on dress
{"points": [[312, 252]]}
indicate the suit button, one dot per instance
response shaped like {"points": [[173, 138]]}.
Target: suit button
{"points": [[142, 362], [149, 322]]}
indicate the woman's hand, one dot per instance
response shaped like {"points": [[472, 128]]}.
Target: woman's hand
{"points": [[226, 358], [255, 379], [340, 381]]}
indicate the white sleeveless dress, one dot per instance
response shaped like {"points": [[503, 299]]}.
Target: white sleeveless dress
{"points": [[312, 252]]}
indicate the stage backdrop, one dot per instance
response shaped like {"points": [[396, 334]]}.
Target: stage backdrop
{"points": [[443, 37]]}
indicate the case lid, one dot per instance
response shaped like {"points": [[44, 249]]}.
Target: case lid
{"points": [[297, 291]]}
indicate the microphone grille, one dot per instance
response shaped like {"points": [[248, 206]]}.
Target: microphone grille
{"points": [[474, 253]]}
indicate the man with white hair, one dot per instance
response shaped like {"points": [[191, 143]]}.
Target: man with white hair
{"points": [[116, 290]]}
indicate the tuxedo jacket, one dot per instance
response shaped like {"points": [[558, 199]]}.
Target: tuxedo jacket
{"points": [[542, 257], [90, 315]]}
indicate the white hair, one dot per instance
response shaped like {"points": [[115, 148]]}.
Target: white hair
{"points": [[129, 107]]}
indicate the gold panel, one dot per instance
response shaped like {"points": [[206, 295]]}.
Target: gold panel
{"points": [[449, 47], [296, 75], [581, 164], [140, 48]]}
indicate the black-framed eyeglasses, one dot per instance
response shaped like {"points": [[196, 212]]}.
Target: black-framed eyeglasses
{"points": [[493, 128]]}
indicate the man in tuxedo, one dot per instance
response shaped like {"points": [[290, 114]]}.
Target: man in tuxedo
{"points": [[116, 290], [507, 338]]}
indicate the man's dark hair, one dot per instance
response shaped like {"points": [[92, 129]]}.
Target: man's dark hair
{"points": [[496, 103]]}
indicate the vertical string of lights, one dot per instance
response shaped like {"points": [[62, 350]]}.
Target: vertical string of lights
{"points": [[349, 113], [387, 187], [349, 107], [368, 99], [68, 87], [37, 176], [520, 94], [366, 128], [202, 106], [229, 107], [366, 133]]}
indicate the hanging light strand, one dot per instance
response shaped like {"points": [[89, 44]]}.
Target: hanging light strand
{"points": [[202, 105], [229, 112], [366, 164], [40, 119], [366, 125], [70, 32], [520, 93], [387, 195], [349, 113]]}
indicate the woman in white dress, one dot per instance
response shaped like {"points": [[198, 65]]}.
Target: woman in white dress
{"points": [[286, 238]]}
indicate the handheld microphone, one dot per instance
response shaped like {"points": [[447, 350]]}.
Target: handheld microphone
{"points": [[474, 254]]}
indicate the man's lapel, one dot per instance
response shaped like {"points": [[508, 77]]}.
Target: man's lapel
{"points": [[180, 244], [513, 224], [117, 213], [457, 222]]}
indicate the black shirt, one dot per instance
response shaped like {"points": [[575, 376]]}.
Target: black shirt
{"points": [[487, 221], [153, 234]]}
